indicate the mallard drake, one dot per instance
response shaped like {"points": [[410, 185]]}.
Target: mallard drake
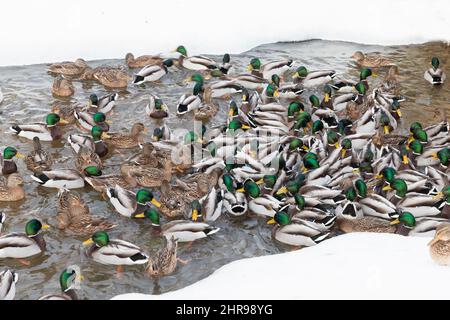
{"points": [[197, 63], [297, 232], [349, 86], [208, 208], [93, 142], [278, 67], [141, 61], [114, 251], [152, 73], [261, 204], [67, 68], [127, 140], [103, 104], [440, 245], [59, 178], [435, 75], [73, 215], [180, 230], [402, 225], [7, 162], [165, 261], [88, 162], [128, 203], [47, 131], [24, 245], [226, 64], [310, 79], [174, 54], [444, 194], [373, 61], [62, 87], [250, 82], [8, 280], [188, 103], [12, 189], [87, 120], [69, 281], [156, 108]]}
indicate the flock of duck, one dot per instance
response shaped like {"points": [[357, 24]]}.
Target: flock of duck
{"points": [[307, 164]]}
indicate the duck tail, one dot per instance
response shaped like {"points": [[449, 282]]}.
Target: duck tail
{"points": [[329, 221], [211, 230], [40, 178], [139, 256], [15, 129], [320, 237]]}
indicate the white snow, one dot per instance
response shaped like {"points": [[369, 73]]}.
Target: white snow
{"points": [[351, 266], [47, 31]]}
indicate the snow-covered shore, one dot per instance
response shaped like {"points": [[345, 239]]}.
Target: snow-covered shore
{"points": [[351, 266], [45, 31]]}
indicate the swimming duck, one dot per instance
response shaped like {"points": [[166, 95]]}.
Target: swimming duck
{"points": [[70, 69], [373, 61], [11, 188], [152, 73], [440, 245], [8, 280], [165, 261], [114, 251], [180, 230], [109, 77], [141, 61], [435, 75], [146, 176], [88, 162], [297, 232], [174, 200], [128, 203], [93, 142], [261, 204], [197, 63], [348, 86], [74, 215], [24, 245], [66, 111], [310, 79], [59, 178], [69, 281], [87, 120], [47, 131], [7, 163], [278, 67], [250, 82], [208, 208], [62, 87], [156, 108], [127, 140], [103, 182], [188, 103], [103, 104]]}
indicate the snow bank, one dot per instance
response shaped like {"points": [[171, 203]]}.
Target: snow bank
{"points": [[47, 31], [351, 266]]}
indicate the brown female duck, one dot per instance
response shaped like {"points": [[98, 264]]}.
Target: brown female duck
{"points": [[62, 87], [127, 140], [38, 160], [12, 189], [67, 68], [141, 61]]}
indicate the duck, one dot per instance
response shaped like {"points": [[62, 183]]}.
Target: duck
{"points": [[88, 162], [208, 208], [444, 195], [141, 61], [152, 73], [87, 120], [47, 131], [311, 79], [146, 176], [67, 68], [103, 182], [104, 104], [439, 246], [7, 162], [114, 251], [8, 280], [197, 63], [109, 77], [69, 280], [174, 200], [435, 75], [128, 203], [93, 142], [373, 61], [127, 140], [192, 102], [74, 215], [180, 230], [165, 261], [24, 245], [156, 108], [250, 82], [11, 188], [62, 87], [278, 67], [59, 178], [66, 111], [261, 204], [402, 225], [297, 232]]}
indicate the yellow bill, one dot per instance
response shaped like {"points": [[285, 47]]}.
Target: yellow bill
{"points": [[282, 190], [194, 215], [140, 215], [88, 242], [396, 221], [20, 155], [156, 202], [271, 221], [387, 188]]}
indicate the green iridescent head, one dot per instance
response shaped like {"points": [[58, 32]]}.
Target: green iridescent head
{"points": [[300, 201], [332, 137], [301, 72], [365, 73], [282, 218], [168, 63], [93, 99], [350, 194], [295, 107], [361, 188], [315, 102], [435, 63], [415, 126], [236, 124], [407, 219], [416, 147], [197, 77], [400, 186], [182, 50], [52, 119], [311, 163], [228, 181], [33, 227], [271, 91], [444, 156], [420, 135], [99, 117], [198, 88], [361, 88], [226, 58], [276, 80], [191, 137], [251, 188], [153, 215], [255, 64], [97, 132], [100, 238], [144, 196], [67, 279], [296, 144], [92, 171], [317, 126], [269, 181], [346, 144], [388, 174], [9, 153], [158, 104]]}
